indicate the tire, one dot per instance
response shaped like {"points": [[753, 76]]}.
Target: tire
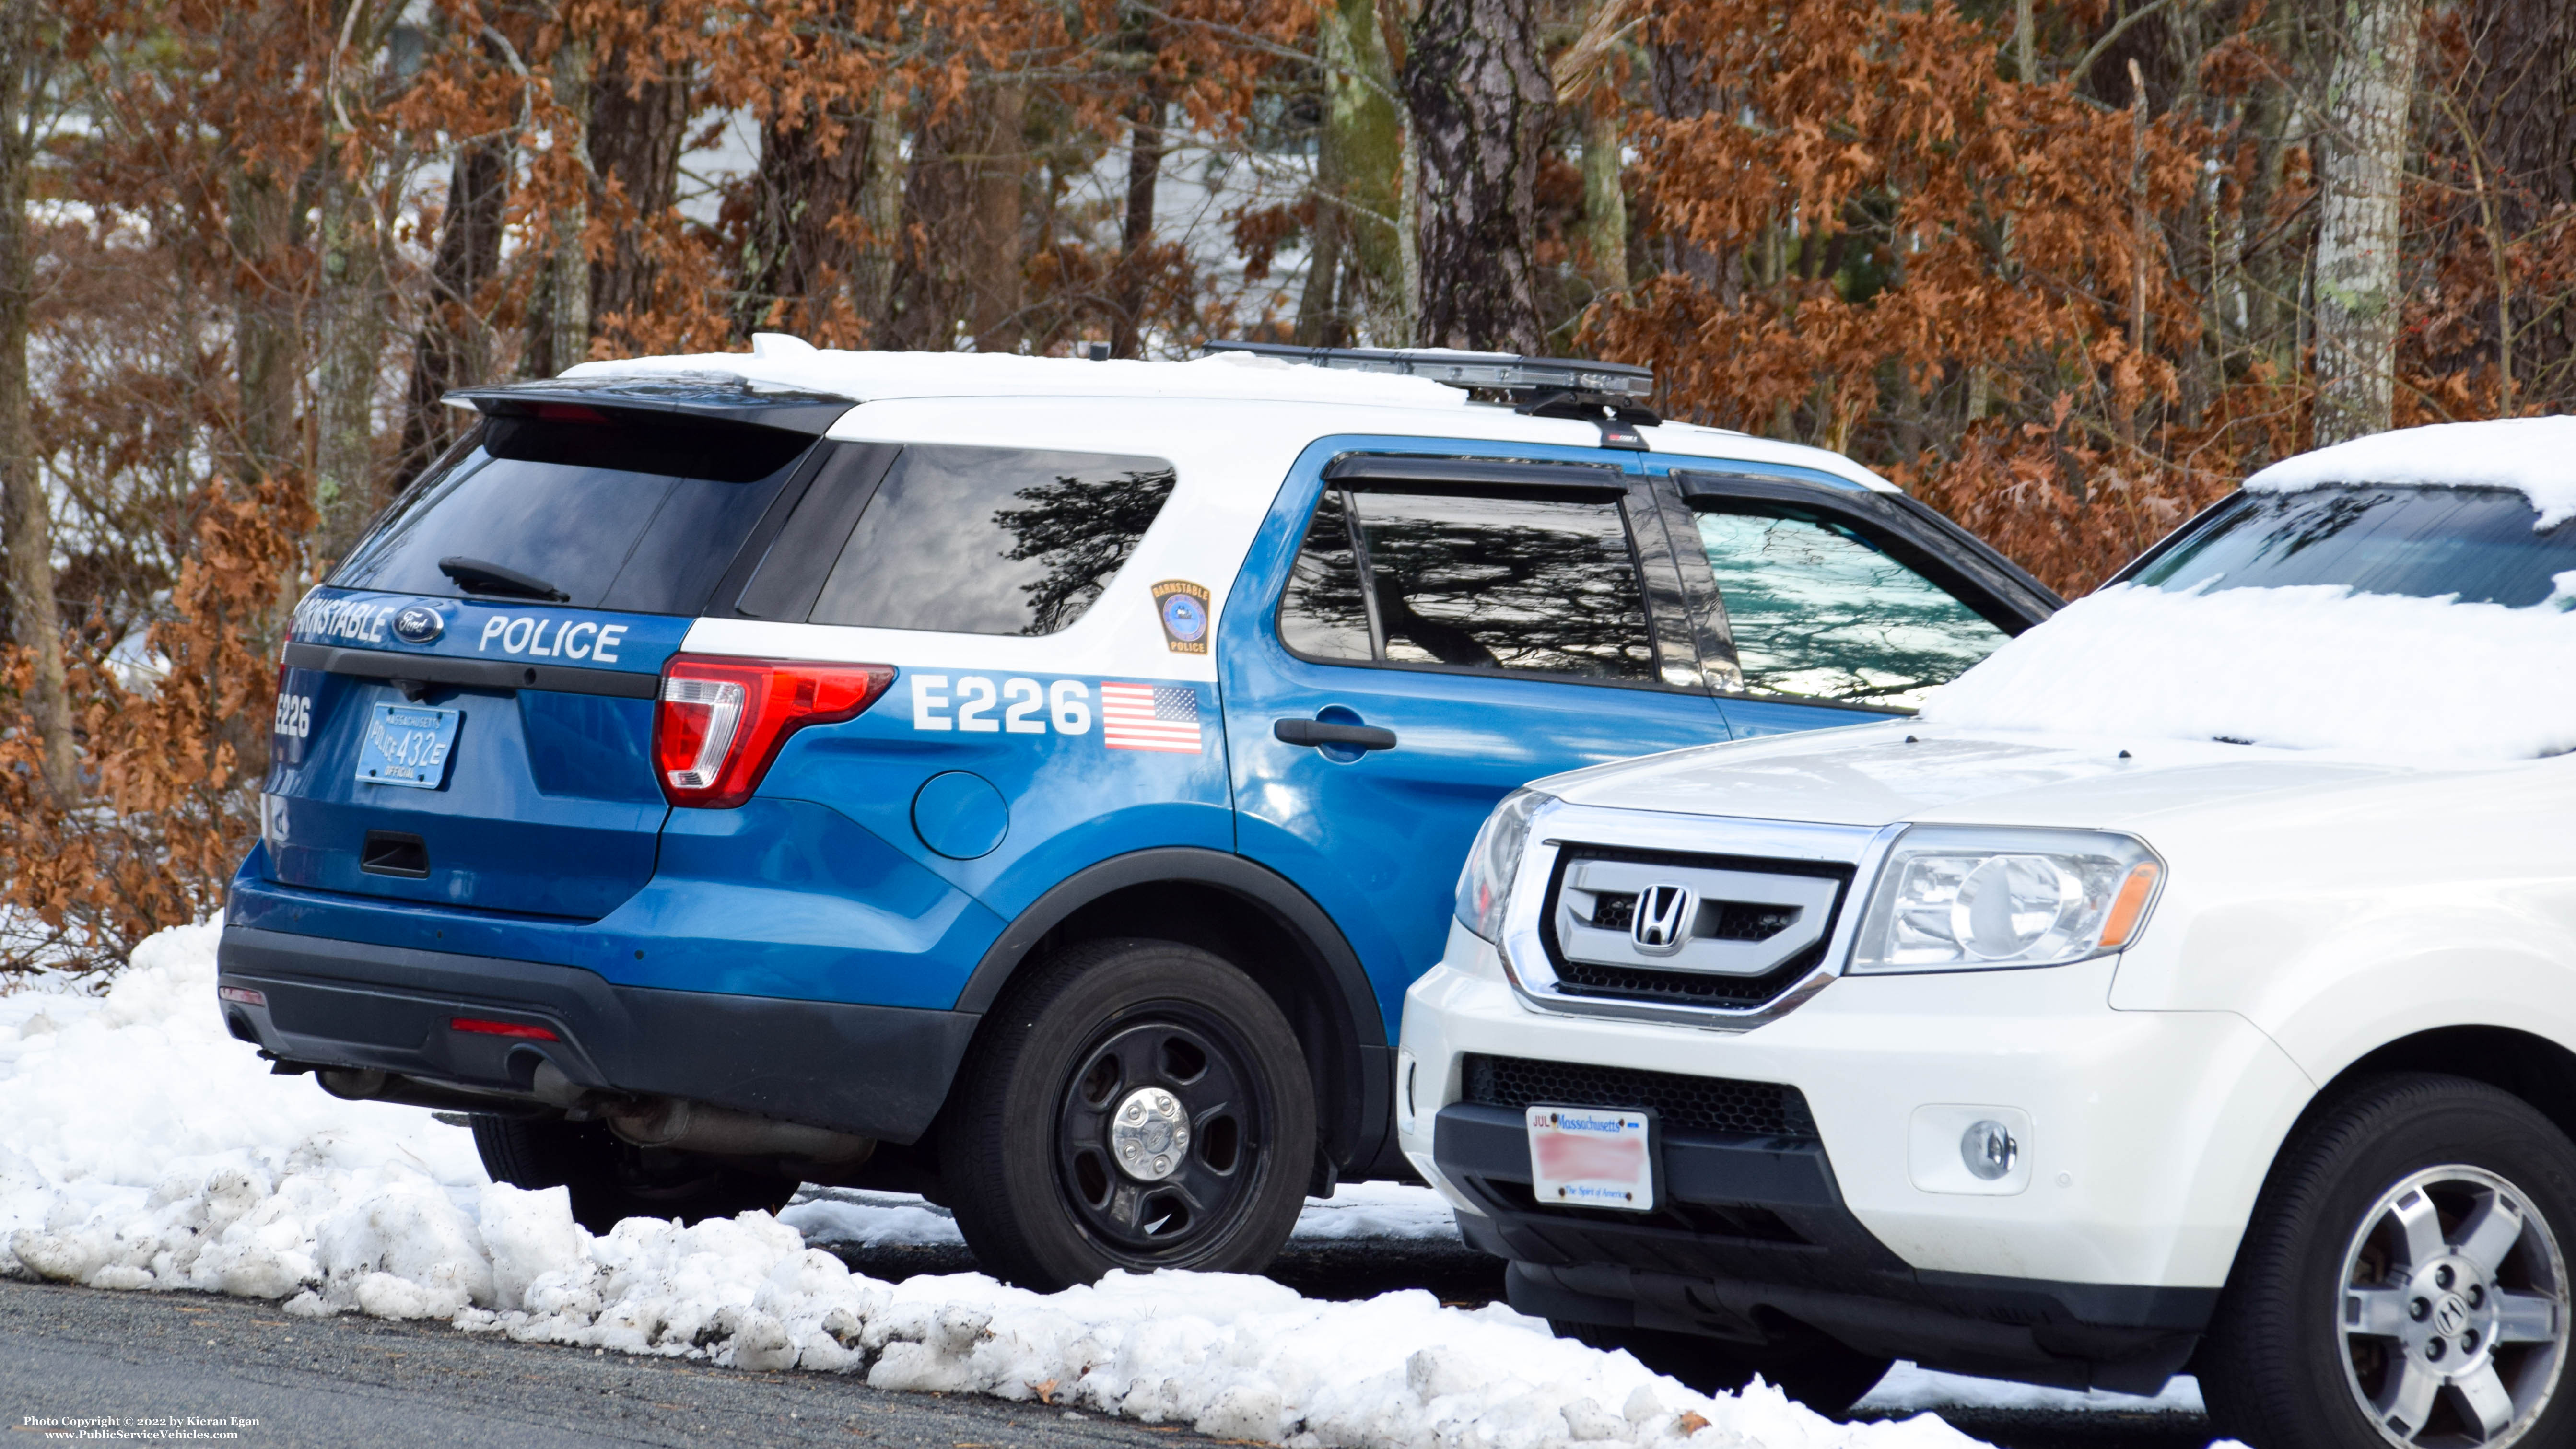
{"points": [[1166, 1036], [2459, 1318], [611, 1181], [1816, 1371]]}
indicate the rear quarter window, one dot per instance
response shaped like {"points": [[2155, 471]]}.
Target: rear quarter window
{"points": [[637, 515], [992, 540]]}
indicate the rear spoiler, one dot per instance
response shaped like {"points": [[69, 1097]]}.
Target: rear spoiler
{"points": [[713, 397]]}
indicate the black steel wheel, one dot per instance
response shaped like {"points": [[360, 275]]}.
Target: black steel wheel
{"points": [[1130, 1104]]}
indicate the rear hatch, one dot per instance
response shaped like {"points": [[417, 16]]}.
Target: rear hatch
{"points": [[465, 710]]}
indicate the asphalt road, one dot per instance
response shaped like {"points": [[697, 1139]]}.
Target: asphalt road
{"points": [[75, 1353]]}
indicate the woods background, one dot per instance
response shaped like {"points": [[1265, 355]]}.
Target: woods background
{"points": [[2066, 270]]}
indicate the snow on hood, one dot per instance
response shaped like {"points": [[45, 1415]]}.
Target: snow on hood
{"points": [[2536, 455], [142, 1148], [2311, 668]]}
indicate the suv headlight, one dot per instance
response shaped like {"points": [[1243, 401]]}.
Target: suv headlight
{"points": [[1485, 886], [1975, 898]]}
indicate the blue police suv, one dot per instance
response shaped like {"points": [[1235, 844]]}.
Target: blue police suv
{"points": [[1032, 782]]}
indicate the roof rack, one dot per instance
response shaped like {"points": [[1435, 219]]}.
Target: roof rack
{"points": [[1606, 393], [1494, 371]]}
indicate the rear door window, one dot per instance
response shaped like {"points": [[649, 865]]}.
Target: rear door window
{"points": [[641, 516], [1818, 610], [1489, 581], [992, 540]]}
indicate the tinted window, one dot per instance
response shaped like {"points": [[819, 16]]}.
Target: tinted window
{"points": [[636, 516], [992, 540], [1818, 610], [1471, 581], [2478, 544]]}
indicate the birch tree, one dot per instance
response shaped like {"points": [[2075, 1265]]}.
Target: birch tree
{"points": [[2370, 101]]}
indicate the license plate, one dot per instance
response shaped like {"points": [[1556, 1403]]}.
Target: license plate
{"points": [[1592, 1157], [408, 745]]}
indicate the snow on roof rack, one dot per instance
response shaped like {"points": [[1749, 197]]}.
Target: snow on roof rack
{"points": [[1498, 371]]}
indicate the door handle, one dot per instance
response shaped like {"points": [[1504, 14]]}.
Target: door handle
{"points": [[1325, 732]]}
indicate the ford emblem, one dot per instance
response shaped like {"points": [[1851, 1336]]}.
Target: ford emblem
{"points": [[419, 625]]}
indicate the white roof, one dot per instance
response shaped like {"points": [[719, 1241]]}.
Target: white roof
{"points": [[2535, 455], [1436, 409]]}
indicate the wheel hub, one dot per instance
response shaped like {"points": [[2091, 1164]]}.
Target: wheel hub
{"points": [[1148, 1134]]}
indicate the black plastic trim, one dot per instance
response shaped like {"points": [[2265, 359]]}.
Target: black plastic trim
{"points": [[701, 397], [471, 673], [782, 570], [1424, 468], [877, 1071]]}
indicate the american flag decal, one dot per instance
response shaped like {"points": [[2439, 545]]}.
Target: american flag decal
{"points": [[1150, 717]]}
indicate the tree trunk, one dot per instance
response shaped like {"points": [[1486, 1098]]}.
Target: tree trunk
{"points": [[559, 316], [1480, 102], [267, 346], [1136, 234], [1319, 315], [1605, 203], [799, 251], [1364, 126], [2524, 109], [450, 351], [994, 269], [872, 271], [2367, 125], [352, 314], [638, 120], [25, 514]]}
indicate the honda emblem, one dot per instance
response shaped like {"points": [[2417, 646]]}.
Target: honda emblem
{"points": [[1662, 924]]}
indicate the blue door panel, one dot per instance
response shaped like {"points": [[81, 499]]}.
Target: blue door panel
{"points": [[1377, 840]]}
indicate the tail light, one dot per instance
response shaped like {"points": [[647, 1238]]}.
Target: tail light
{"points": [[721, 721]]}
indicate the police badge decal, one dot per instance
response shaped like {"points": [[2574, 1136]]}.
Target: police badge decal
{"points": [[1183, 608]]}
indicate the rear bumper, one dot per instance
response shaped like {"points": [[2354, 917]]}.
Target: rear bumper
{"points": [[875, 1071]]}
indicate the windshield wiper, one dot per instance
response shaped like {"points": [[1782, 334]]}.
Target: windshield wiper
{"points": [[475, 576]]}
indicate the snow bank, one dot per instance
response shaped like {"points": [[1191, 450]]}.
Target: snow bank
{"points": [[2308, 668], [141, 1148], [2536, 455]]}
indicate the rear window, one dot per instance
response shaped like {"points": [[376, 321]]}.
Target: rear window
{"points": [[639, 516], [992, 540]]}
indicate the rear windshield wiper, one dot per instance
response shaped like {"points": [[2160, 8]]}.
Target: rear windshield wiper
{"points": [[475, 576]]}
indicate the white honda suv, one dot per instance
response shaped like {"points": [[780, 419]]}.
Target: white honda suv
{"points": [[2191, 986]]}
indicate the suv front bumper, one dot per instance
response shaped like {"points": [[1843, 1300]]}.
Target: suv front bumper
{"points": [[873, 1071], [2144, 1139]]}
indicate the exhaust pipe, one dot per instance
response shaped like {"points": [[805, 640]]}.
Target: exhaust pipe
{"points": [[683, 1126]]}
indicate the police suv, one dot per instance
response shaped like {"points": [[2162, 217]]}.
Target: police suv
{"points": [[1032, 782]]}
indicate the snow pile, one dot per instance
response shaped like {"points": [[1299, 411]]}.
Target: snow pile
{"points": [[2535, 455], [141, 1148], [1374, 1210], [2307, 668]]}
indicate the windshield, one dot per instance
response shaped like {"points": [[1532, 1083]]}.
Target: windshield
{"points": [[2476, 545]]}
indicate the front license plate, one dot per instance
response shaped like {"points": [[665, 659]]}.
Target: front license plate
{"points": [[408, 745], [1592, 1157]]}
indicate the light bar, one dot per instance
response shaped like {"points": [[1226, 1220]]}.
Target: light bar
{"points": [[1499, 371]]}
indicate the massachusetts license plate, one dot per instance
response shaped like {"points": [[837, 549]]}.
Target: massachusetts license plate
{"points": [[1592, 1157], [407, 745]]}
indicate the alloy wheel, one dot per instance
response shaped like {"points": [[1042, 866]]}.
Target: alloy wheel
{"points": [[2454, 1311]]}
